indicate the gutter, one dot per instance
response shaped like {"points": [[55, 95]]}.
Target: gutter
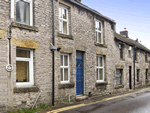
{"points": [[91, 10]]}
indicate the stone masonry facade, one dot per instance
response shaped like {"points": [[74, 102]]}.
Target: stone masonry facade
{"points": [[81, 37]]}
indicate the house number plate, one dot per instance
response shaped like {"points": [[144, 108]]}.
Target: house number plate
{"points": [[9, 67]]}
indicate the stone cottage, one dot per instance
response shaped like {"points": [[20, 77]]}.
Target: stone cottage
{"points": [[92, 58]]}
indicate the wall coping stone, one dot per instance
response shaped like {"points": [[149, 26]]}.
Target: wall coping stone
{"points": [[101, 45], [26, 89], [23, 26], [65, 85], [119, 86], [65, 36], [101, 83]]}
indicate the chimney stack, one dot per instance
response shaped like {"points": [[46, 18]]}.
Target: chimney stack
{"points": [[124, 33]]}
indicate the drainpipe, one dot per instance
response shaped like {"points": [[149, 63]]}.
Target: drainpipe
{"points": [[53, 55]]}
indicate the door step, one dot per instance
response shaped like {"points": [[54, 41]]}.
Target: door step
{"points": [[80, 98]]}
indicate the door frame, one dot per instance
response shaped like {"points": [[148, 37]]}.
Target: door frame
{"points": [[83, 54]]}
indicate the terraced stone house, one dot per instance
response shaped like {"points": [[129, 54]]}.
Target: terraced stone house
{"points": [[91, 58]]}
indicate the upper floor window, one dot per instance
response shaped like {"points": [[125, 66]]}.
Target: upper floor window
{"points": [[146, 73], [146, 57], [99, 34], [63, 20], [138, 73], [64, 68], [121, 50], [100, 68], [24, 12], [24, 67]]}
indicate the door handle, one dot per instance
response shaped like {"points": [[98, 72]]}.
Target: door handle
{"points": [[78, 81]]}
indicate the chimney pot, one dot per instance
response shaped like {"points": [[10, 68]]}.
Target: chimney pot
{"points": [[124, 33]]}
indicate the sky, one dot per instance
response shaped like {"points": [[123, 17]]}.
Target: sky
{"points": [[131, 14]]}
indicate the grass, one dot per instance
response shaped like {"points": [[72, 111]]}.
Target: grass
{"points": [[25, 110]]}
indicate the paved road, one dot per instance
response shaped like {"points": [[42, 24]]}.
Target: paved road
{"points": [[135, 103]]}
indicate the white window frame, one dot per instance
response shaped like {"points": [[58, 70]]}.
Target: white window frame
{"points": [[64, 67], [31, 73], [100, 67], [62, 19], [98, 31], [31, 11]]}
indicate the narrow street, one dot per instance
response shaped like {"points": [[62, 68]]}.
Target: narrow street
{"points": [[135, 103]]}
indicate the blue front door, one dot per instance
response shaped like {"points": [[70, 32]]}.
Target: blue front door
{"points": [[79, 73]]}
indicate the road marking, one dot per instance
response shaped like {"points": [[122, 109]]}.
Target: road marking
{"points": [[81, 105]]}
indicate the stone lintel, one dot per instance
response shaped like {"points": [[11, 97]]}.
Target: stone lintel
{"points": [[65, 49], [25, 43], [2, 33], [119, 67], [100, 52]]}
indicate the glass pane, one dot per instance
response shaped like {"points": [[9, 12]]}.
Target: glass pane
{"points": [[66, 74], [60, 13], [61, 60], [65, 60], [101, 74], [64, 12], [23, 12], [23, 53], [79, 54], [64, 27], [101, 61], [99, 26], [22, 71], [60, 25], [99, 37], [97, 60], [97, 74], [61, 72]]}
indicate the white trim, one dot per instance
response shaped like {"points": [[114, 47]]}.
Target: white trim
{"points": [[98, 31], [12, 9], [61, 19], [65, 67], [31, 11], [31, 73], [100, 67]]}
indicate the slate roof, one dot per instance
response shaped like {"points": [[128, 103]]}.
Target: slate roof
{"points": [[131, 42], [91, 10]]}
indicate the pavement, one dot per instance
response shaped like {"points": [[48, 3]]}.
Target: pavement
{"points": [[89, 105]]}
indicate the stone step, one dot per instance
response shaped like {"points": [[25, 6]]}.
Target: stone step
{"points": [[80, 98]]}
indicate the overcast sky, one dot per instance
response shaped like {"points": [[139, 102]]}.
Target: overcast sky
{"points": [[132, 14]]}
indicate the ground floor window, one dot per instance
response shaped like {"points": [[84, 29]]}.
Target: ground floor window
{"points": [[100, 68], [119, 76], [64, 68], [146, 74], [24, 67], [138, 73]]}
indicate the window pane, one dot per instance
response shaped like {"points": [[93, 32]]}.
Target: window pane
{"points": [[99, 26], [79, 54], [22, 71], [60, 13], [64, 12], [61, 60], [23, 53], [99, 37], [61, 72], [23, 12], [97, 74], [118, 76], [65, 60], [66, 74], [101, 74], [60, 25], [97, 60], [101, 61], [64, 27]]}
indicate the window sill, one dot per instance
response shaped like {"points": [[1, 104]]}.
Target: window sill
{"points": [[146, 80], [101, 83], [26, 89], [23, 26], [101, 45], [138, 83], [65, 85], [65, 36], [119, 86]]}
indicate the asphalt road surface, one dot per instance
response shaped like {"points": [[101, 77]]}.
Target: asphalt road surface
{"points": [[135, 103]]}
